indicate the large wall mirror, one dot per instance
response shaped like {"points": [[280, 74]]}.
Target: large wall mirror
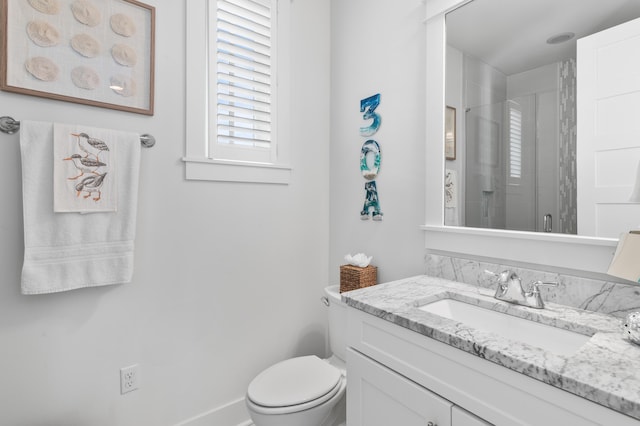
{"points": [[480, 62], [511, 76]]}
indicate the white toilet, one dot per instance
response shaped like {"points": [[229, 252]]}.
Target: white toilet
{"points": [[305, 391]]}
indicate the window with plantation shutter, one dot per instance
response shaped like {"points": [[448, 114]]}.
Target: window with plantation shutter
{"points": [[245, 59], [515, 142], [243, 75]]}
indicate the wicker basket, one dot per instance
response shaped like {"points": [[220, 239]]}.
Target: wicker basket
{"points": [[354, 277]]}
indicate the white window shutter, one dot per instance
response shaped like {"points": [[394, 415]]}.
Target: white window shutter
{"points": [[243, 78], [515, 141]]}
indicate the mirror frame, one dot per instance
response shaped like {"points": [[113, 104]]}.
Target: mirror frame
{"points": [[559, 251]]}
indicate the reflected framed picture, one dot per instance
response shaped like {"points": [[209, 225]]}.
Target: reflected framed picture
{"points": [[93, 52], [450, 133]]}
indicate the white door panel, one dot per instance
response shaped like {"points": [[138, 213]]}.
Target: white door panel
{"points": [[608, 105], [615, 78]]}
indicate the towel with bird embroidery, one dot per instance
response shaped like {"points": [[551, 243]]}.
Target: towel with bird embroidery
{"points": [[64, 250], [84, 169]]}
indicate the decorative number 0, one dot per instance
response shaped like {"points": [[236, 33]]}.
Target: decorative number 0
{"points": [[370, 146]]}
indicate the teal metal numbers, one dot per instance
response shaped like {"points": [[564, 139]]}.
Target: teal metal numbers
{"points": [[370, 158]]}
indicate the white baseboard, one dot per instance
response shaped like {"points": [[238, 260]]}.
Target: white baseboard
{"points": [[231, 414]]}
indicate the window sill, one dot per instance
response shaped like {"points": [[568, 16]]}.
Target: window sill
{"points": [[236, 171]]}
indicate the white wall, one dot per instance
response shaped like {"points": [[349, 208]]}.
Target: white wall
{"points": [[455, 98], [378, 47], [227, 276]]}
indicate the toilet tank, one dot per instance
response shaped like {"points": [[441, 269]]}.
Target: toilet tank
{"points": [[337, 322]]}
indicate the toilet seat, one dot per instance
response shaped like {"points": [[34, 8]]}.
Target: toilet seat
{"points": [[293, 385]]}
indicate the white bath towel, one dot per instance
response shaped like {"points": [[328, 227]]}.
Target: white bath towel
{"points": [[65, 251]]}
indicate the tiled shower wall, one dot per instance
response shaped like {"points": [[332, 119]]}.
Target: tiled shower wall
{"points": [[590, 294], [567, 172]]}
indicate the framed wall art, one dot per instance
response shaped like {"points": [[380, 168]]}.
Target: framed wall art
{"points": [[450, 133], [93, 52]]}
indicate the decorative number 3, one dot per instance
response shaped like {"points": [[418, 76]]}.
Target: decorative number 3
{"points": [[368, 106]]}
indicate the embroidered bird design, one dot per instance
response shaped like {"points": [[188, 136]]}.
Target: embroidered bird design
{"points": [[89, 185], [84, 165], [89, 145]]}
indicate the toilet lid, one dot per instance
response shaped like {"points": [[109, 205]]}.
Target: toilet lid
{"points": [[293, 381]]}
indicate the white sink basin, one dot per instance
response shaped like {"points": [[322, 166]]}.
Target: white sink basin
{"points": [[556, 340]]}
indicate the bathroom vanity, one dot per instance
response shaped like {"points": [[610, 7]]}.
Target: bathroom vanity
{"points": [[409, 364]]}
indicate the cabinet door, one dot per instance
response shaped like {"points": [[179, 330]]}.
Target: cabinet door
{"points": [[460, 417], [377, 396]]}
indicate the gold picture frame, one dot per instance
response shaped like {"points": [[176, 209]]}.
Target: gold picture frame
{"points": [[450, 133], [92, 52]]}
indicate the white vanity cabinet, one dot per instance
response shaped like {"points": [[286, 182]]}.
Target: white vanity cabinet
{"points": [[378, 396], [400, 377]]}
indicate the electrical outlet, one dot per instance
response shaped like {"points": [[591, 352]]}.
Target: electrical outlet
{"points": [[129, 378]]}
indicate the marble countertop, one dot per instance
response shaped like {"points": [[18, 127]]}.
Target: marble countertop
{"points": [[605, 370]]}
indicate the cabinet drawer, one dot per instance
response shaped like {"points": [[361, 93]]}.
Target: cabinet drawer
{"points": [[377, 396]]}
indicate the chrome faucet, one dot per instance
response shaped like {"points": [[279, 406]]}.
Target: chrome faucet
{"points": [[510, 290]]}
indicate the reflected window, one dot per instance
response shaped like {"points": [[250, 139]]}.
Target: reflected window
{"points": [[515, 142]]}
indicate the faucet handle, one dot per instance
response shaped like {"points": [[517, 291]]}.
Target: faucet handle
{"points": [[534, 295], [536, 284], [503, 277]]}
